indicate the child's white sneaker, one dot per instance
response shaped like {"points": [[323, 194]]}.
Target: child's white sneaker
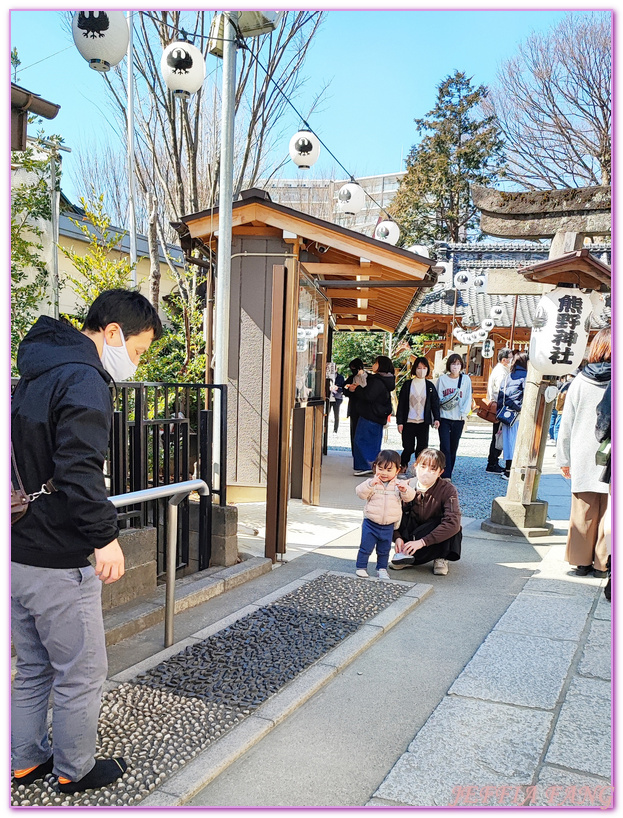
{"points": [[382, 573], [361, 572]]}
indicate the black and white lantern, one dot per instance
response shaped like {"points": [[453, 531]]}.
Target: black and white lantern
{"points": [[496, 312], [183, 68], [463, 280], [304, 148], [560, 331], [351, 199], [101, 37], [387, 231], [420, 250], [487, 324], [488, 348], [481, 334], [480, 282]]}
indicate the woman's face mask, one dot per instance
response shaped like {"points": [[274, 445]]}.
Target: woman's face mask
{"points": [[117, 362], [421, 371]]}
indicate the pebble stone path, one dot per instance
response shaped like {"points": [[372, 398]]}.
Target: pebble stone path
{"points": [[165, 716]]}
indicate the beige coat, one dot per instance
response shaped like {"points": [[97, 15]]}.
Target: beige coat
{"points": [[384, 500]]}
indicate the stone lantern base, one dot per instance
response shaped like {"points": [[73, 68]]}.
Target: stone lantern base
{"points": [[517, 519]]}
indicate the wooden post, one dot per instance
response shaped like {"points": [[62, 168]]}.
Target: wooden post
{"points": [[510, 343]]}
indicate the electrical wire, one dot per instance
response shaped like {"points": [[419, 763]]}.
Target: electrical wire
{"points": [[242, 44]]}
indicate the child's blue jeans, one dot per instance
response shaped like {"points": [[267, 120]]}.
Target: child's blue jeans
{"points": [[373, 534]]}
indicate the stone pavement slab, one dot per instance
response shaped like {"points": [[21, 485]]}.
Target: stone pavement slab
{"points": [[582, 738], [596, 658], [559, 787], [467, 743], [536, 614], [517, 669]]}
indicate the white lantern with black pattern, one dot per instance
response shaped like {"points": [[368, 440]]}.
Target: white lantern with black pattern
{"points": [[101, 37], [304, 149], [387, 231], [351, 199], [560, 331], [183, 68]]}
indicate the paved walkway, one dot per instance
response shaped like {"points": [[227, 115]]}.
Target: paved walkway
{"points": [[490, 685]]}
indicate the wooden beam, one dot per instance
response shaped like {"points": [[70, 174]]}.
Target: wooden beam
{"points": [[354, 294], [353, 322], [247, 230], [346, 270], [353, 310], [413, 283]]}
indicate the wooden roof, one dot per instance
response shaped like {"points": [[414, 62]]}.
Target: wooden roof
{"points": [[579, 267], [341, 260]]}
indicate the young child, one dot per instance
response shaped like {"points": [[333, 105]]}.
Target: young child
{"points": [[430, 529], [382, 512]]}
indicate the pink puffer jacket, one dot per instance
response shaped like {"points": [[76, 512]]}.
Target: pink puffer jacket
{"points": [[384, 500]]}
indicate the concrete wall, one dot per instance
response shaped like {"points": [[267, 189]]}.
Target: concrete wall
{"points": [[139, 548]]}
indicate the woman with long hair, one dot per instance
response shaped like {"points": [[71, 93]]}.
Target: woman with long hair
{"points": [[418, 410], [454, 388], [373, 405], [587, 546]]}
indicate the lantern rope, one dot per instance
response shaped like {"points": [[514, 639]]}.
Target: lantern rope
{"points": [[240, 42]]}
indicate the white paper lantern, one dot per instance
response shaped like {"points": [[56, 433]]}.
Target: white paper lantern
{"points": [[387, 231], [101, 37], [496, 312], [457, 332], [487, 324], [351, 199], [419, 250], [463, 280], [560, 331], [488, 348], [304, 148], [183, 68], [480, 282], [481, 334]]}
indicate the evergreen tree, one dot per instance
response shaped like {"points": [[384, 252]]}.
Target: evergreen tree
{"points": [[457, 149]]}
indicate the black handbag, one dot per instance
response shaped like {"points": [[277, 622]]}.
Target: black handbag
{"points": [[506, 415]]}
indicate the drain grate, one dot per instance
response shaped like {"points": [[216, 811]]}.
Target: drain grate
{"points": [[169, 714]]}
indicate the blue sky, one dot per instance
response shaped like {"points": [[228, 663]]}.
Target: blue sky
{"points": [[382, 68]]}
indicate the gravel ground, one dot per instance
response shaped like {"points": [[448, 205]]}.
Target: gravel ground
{"points": [[475, 494]]}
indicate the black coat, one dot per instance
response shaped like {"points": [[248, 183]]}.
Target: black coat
{"points": [[603, 429], [61, 414], [373, 401], [512, 389], [431, 406]]}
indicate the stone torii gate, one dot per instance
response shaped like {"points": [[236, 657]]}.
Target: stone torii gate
{"points": [[566, 217]]}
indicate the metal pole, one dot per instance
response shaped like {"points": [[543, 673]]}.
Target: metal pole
{"points": [[131, 174], [169, 605], [54, 203], [226, 184]]}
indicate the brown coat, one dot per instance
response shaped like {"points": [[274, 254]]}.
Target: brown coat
{"points": [[440, 500]]}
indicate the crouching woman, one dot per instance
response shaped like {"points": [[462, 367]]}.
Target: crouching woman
{"points": [[430, 529]]}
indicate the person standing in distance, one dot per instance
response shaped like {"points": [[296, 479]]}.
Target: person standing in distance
{"points": [[61, 414], [498, 373], [418, 410]]}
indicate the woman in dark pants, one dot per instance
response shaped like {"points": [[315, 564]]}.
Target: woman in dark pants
{"points": [[373, 405], [358, 376], [454, 388], [430, 529], [418, 410]]}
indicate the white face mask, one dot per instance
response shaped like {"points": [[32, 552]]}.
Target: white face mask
{"points": [[117, 362], [421, 373]]}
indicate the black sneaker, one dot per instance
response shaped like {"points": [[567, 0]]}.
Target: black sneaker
{"points": [[494, 469], [582, 570]]}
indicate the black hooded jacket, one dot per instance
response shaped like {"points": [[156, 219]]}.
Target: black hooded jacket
{"points": [[373, 401], [61, 413]]}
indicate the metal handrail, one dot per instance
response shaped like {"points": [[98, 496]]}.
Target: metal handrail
{"points": [[177, 492]]}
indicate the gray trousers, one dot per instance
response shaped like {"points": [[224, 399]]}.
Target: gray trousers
{"points": [[58, 634]]}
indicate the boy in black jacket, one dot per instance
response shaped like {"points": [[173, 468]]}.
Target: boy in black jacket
{"points": [[61, 414]]}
